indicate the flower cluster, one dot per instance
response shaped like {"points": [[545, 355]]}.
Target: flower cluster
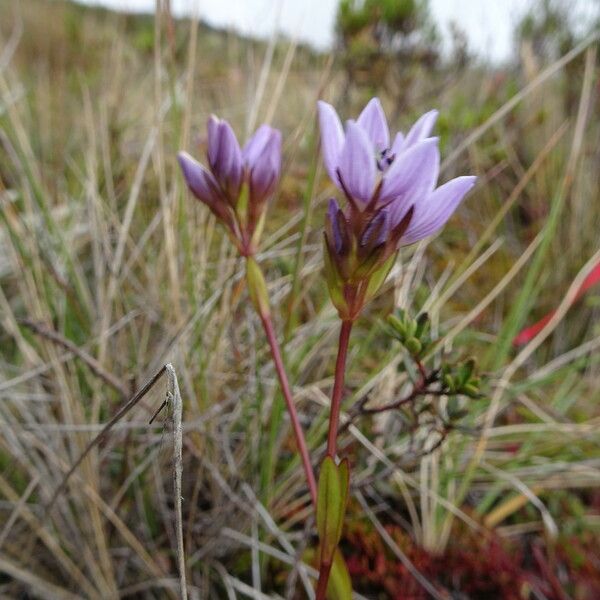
{"points": [[392, 199], [238, 182]]}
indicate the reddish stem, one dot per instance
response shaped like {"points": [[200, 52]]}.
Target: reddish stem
{"points": [[324, 571], [291, 407], [334, 419], [338, 387]]}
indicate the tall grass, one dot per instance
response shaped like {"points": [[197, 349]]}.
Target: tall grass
{"points": [[101, 245]]}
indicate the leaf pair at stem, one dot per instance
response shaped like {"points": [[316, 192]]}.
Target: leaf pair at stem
{"points": [[332, 499]]}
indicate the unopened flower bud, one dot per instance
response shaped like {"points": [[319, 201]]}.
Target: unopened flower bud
{"points": [[239, 183], [225, 157]]}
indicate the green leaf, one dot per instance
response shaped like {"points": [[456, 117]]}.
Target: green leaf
{"points": [[398, 326], [413, 345], [422, 325], [469, 368], [344, 479], [331, 505], [344, 475], [340, 584], [328, 503], [471, 390]]}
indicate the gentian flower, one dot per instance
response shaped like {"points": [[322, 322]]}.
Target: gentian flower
{"points": [[392, 199], [238, 182]]}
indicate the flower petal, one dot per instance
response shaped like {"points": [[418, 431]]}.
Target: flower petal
{"points": [[398, 144], [332, 138], [201, 183], [255, 146], [264, 173], [432, 214], [411, 176], [372, 120], [224, 155], [357, 164], [421, 129]]}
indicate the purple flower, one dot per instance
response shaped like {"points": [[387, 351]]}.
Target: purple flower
{"points": [[262, 161], [252, 173], [373, 174], [224, 156], [392, 199]]}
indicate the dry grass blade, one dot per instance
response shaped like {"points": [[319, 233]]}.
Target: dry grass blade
{"points": [[94, 365], [174, 395], [17, 510], [569, 298], [117, 417], [50, 541], [266, 548], [526, 492], [504, 110], [40, 588], [494, 292], [12, 44], [565, 359], [264, 74]]}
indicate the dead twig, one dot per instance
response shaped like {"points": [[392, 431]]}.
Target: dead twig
{"points": [[419, 389]]}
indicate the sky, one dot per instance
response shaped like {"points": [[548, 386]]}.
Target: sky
{"points": [[488, 23]]}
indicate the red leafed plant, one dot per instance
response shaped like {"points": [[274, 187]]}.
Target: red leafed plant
{"points": [[474, 567]]}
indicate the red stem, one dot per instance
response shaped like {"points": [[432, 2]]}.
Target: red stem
{"points": [[338, 387], [324, 571], [291, 407], [422, 372]]}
